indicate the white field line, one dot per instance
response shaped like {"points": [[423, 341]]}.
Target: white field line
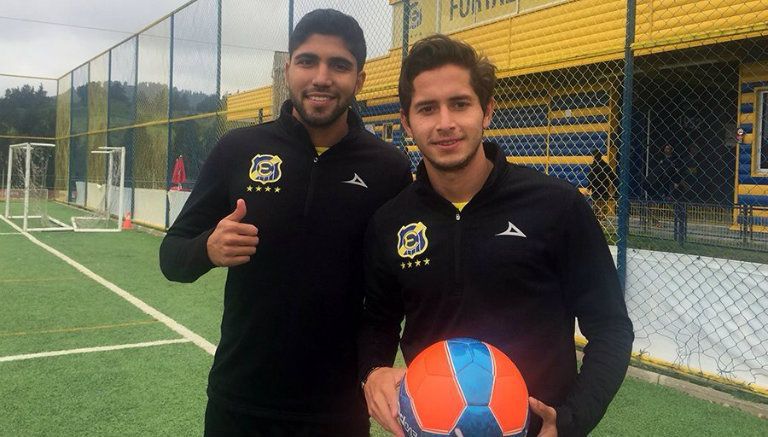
{"points": [[86, 350], [167, 321], [10, 233]]}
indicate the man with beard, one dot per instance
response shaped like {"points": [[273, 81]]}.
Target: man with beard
{"points": [[284, 205], [481, 248]]}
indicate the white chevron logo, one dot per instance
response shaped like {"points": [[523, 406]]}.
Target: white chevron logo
{"points": [[356, 180], [512, 231]]}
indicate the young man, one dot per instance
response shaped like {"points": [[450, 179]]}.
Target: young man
{"points": [[480, 248], [285, 205]]}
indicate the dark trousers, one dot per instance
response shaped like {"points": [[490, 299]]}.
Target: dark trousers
{"points": [[222, 422]]}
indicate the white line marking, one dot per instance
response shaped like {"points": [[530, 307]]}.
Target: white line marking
{"points": [[9, 233], [91, 349], [167, 321]]}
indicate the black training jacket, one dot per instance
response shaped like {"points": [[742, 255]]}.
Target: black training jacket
{"points": [[523, 259], [287, 347]]}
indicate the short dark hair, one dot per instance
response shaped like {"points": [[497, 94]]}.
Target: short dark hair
{"points": [[438, 50], [334, 23]]}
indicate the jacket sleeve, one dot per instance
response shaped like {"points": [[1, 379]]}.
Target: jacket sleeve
{"points": [[183, 252], [383, 312], [593, 292]]}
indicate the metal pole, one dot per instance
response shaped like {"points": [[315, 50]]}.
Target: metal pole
{"points": [[406, 26], [218, 52], [170, 130], [626, 138], [109, 87], [57, 142], [8, 186], [121, 194], [131, 133], [404, 53], [108, 188], [647, 152], [27, 175], [71, 131], [290, 18], [86, 139]]}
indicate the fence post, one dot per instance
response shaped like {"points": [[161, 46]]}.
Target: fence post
{"points": [[71, 131], [406, 26], [680, 220], [168, 147], [218, 51], [290, 18], [741, 219], [626, 137], [131, 134]]}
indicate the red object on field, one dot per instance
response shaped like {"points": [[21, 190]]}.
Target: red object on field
{"points": [[179, 175], [127, 221]]}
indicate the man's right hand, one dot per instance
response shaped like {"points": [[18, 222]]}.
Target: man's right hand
{"points": [[232, 243], [381, 396]]}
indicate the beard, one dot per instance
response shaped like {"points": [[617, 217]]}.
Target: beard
{"points": [[319, 119]]}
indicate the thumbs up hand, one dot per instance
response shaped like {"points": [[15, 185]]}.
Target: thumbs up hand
{"points": [[233, 243]]}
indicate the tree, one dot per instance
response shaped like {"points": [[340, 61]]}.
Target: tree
{"points": [[27, 111]]}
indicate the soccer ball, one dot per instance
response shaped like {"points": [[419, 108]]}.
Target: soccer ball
{"points": [[465, 388]]}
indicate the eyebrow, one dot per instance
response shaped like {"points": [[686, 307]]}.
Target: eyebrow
{"points": [[333, 59], [340, 60], [459, 98], [424, 103], [307, 56]]}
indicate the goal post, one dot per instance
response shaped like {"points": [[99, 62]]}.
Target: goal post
{"points": [[106, 210], [26, 190]]}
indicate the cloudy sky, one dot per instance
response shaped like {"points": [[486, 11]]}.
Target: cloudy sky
{"points": [[49, 38]]}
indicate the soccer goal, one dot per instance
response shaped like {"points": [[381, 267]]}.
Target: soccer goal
{"points": [[26, 188], [105, 201]]}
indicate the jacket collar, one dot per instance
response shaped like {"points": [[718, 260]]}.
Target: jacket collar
{"points": [[492, 152]]}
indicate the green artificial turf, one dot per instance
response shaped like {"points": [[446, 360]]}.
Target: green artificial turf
{"points": [[129, 259], [47, 305], [155, 391], [641, 409]]}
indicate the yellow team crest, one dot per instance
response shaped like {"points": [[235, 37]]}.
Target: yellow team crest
{"points": [[265, 169], [412, 240]]}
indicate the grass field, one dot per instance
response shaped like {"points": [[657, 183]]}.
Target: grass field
{"points": [[149, 380]]}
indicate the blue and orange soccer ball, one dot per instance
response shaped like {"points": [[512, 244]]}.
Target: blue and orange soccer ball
{"points": [[463, 387]]}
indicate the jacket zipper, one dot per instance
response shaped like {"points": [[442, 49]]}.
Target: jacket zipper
{"points": [[311, 188], [457, 255]]}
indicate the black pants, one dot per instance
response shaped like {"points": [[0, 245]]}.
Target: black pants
{"points": [[222, 422]]}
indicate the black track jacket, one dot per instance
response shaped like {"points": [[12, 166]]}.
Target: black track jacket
{"points": [[523, 259], [291, 314]]}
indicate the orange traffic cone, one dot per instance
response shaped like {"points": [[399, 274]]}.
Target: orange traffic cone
{"points": [[127, 221]]}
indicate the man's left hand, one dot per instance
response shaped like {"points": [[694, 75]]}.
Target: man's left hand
{"points": [[548, 416]]}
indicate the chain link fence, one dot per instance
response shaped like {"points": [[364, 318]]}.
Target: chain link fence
{"points": [[27, 113], [697, 247], [656, 110]]}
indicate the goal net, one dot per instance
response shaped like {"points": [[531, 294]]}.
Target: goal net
{"points": [[105, 198], [26, 187]]}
